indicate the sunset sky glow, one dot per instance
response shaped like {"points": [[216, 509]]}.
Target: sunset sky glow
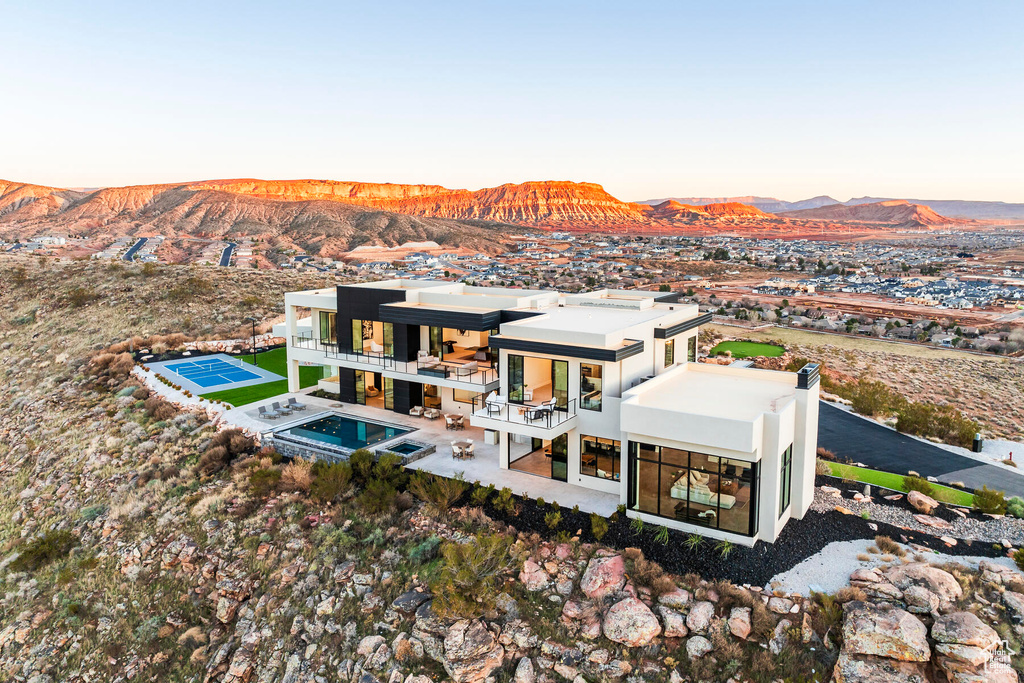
{"points": [[790, 99]]}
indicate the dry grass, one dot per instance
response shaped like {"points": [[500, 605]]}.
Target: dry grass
{"points": [[297, 476]]}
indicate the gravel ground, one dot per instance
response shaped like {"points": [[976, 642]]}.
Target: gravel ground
{"points": [[830, 569], [899, 514]]}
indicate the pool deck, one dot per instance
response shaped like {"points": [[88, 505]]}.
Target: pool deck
{"points": [[483, 468]]}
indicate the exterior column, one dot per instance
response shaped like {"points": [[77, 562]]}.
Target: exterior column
{"points": [[805, 439], [293, 375]]}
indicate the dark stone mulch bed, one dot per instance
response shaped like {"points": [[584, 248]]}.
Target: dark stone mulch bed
{"points": [[878, 496], [800, 539]]}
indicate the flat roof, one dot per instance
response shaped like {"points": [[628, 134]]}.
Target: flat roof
{"points": [[717, 391], [589, 319]]}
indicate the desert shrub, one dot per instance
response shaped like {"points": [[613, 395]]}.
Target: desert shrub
{"points": [[826, 454], [553, 519], [645, 572], [829, 615], [598, 526], [159, 409], [1015, 507], [361, 461], [329, 480], [919, 484], [505, 502], [192, 288], [439, 493], [889, 546], [378, 497], [116, 366], [850, 593], [80, 296], [141, 393], [225, 447], [469, 577], [872, 398], [989, 501], [263, 482], [214, 459], [297, 476], [425, 550], [481, 494], [821, 467], [92, 512], [941, 421], [149, 269], [1018, 558], [42, 550]]}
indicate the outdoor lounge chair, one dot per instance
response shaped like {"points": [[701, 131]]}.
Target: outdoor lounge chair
{"points": [[416, 411], [466, 369], [280, 410], [495, 402], [266, 414], [540, 412], [295, 405]]}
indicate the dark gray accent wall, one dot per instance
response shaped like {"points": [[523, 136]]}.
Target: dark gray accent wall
{"points": [[668, 298], [407, 395], [679, 328], [437, 317], [407, 341], [510, 316], [584, 352], [360, 303], [346, 385], [807, 376]]}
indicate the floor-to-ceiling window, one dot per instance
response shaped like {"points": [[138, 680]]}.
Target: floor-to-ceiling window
{"points": [[357, 336], [786, 480], [515, 378], [436, 342], [542, 457], [360, 387], [431, 396], [694, 488], [560, 457], [670, 352], [560, 383], [691, 349], [328, 330], [590, 386], [389, 393], [599, 457], [389, 340]]}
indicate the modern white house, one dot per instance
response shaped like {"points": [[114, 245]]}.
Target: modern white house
{"points": [[599, 390]]}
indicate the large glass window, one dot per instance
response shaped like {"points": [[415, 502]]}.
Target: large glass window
{"points": [[694, 488], [389, 393], [464, 395], [515, 378], [599, 457], [560, 383], [590, 385], [357, 336], [691, 349], [786, 480], [389, 340], [670, 352], [431, 396], [436, 341], [360, 387], [328, 330]]}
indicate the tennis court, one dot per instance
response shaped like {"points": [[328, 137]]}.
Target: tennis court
{"points": [[213, 373]]}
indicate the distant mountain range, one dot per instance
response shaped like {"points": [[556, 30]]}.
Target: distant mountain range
{"points": [[952, 208], [328, 216]]}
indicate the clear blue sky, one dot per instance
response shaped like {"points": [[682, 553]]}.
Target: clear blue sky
{"points": [[791, 99]]}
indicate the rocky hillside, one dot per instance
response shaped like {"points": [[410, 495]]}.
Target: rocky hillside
{"points": [[896, 213], [315, 221], [675, 211]]}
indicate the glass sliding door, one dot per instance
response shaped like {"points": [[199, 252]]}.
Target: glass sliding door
{"points": [[360, 387], [328, 330], [515, 378], [560, 458], [560, 383], [389, 393]]}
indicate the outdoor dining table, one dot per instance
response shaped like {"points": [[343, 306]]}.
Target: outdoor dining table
{"points": [[462, 446]]}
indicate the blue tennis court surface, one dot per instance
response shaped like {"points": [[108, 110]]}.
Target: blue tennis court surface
{"points": [[210, 373], [213, 373]]}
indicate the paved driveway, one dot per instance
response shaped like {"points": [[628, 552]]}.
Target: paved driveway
{"points": [[860, 440]]}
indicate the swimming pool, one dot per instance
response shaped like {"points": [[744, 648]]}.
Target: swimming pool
{"points": [[212, 372], [344, 432]]}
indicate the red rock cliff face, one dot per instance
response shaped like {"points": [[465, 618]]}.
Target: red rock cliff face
{"points": [[895, 212]]}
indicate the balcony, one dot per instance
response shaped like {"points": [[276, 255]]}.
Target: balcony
{"points": [[543, 420]]}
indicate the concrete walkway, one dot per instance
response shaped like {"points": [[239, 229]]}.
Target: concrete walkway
{"points": [[852, 437]]}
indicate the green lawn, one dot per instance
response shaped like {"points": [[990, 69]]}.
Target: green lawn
{"points": [[745, 349], [888, 480], [275, 360]]}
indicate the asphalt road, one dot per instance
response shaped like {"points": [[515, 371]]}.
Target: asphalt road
{"points": [[130, 254], [852, 437], [225, 257]]}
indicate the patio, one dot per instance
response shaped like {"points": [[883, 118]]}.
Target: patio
{"points": [[483, 468]]}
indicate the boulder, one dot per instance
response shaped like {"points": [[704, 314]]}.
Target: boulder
{"points": [[471, 652], [851, 668], [739, 622], [780, 605], [941, 583], [698, 646], [1015, 604], [922, 503], [965, 637], [885, 631], [700, 616], [534, 577], [676, 599], [524, 671], [604, 575], [631, 623], [675, 623], [410, 601]]}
